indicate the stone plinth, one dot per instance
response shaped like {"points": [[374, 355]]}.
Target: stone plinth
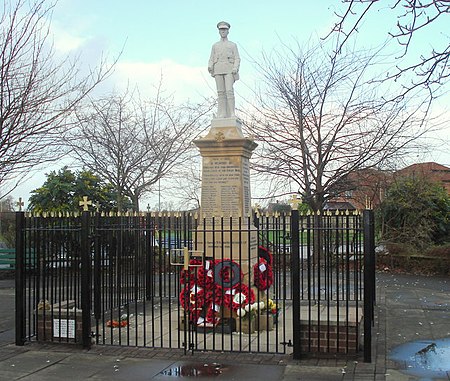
{"points": [[217, 242], [62, 322], [225, 229]]}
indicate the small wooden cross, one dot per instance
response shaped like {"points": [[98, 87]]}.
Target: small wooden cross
{"points": [[85, 203], [20, 204], [294, 201]]}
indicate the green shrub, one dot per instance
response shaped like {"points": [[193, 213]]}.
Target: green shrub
{"points": [[415, 212]]}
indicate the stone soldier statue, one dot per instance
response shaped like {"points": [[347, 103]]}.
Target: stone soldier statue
{"points": [[224, 67]]}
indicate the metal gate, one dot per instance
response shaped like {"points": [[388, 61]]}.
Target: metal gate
{"points": [[142, 280]]}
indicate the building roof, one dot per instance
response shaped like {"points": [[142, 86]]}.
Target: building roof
{"points": [[432, 171]]}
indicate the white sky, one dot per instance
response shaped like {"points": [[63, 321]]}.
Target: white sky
{"points": [[173, 38]]}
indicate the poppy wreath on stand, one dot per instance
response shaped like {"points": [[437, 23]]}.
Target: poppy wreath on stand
{"points": [[205, 275], [212, 314], [216, 295], [227, 274], [264, 253], [262, 270], [191, 275], [192, 299], [239, 297]]}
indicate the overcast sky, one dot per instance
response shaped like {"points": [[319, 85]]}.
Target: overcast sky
{"points": [[173, 39]]}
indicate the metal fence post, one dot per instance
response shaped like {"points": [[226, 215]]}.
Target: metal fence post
{"points": [[20, 278], [85, 281], [97, 264], [150, 226], [295, 273], [369, 281]]}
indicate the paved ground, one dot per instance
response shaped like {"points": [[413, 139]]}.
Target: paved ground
{"points": [[412, 325]]}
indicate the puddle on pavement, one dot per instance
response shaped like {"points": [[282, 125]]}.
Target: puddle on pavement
{"points": [[194, 370], [427, 359]]}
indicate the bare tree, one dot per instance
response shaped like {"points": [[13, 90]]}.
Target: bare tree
{"points": [[133, 143], [430, 69], [185, 184], [320, 117], [37, 92]]}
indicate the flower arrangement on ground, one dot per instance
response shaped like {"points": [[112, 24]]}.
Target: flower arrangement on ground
{"points": [[269, 307], [272, 307], [249, 311]]}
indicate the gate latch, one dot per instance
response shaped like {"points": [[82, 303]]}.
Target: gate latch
{"points": [[288, 343]]}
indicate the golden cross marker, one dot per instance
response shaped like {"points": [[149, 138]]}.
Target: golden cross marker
{"points": [[20, 204], [186, 258], [85, 203], [294, 201]]}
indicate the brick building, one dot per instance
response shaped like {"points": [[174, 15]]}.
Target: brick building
{"points": [[431, 171], [366, 188]]}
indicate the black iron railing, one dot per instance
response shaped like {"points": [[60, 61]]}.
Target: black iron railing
{"points": [[123, 280]]}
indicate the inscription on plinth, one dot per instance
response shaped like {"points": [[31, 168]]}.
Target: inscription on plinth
{"points": [[221, 241], [225, 187]]}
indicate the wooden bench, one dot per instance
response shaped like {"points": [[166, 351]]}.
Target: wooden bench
{"points": [[7, 259]]}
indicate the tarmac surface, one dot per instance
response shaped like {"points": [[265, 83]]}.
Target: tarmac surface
{"points": [[411, 341]]}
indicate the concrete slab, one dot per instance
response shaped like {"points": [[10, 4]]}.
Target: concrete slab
{"points": [[312, 373], [31, 362], [94, 361], [129, 369], [8, 374], [76, 372], [221, 371]]}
